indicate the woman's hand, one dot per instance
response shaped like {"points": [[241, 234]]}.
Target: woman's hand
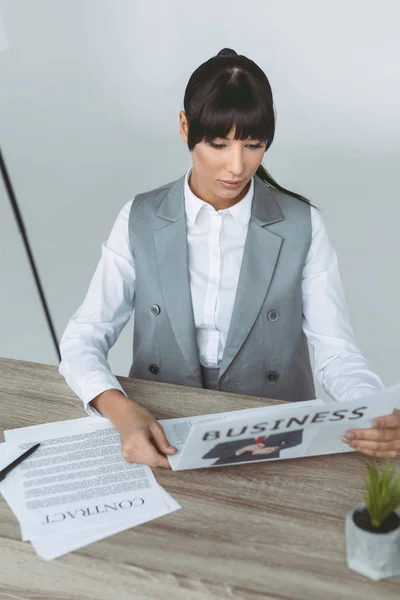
{"points": [[138, 429], [381, 440]]}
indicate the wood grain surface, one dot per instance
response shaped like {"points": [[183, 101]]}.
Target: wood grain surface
{"points": [[270, 530]]}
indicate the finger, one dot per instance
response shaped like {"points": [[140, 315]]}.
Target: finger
{"points": [[382, 435], [370, 445], [148, 454], [163, 463], [384, 454], [392, 420], [160, 438], [155, 459]]}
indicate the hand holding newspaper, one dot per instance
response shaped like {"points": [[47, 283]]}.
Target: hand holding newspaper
{"points": [[275, 432]]}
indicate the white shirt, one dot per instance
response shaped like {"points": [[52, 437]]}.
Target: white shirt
{"points": [[215, 245]]}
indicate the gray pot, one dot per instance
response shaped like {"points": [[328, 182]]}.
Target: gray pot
{"points": [[375, 555]]}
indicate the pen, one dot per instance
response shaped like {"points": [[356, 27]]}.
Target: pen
{"points": [[16, 462]]}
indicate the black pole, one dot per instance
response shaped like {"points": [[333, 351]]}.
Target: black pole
{"points": [[21, 227]]}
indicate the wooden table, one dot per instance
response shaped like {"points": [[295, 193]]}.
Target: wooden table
{"points": [[262, 530]]}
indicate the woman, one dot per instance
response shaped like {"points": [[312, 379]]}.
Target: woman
{"points": [[228, 281]]}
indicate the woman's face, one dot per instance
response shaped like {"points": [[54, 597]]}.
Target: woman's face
{"points": [[230, 160]]}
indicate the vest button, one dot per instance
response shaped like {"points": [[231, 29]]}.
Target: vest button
{"points": [[154, 369], [273, 315], [272, 375], [155, 309]]}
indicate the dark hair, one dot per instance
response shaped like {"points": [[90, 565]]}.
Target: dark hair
{"points": [[231, 89]]}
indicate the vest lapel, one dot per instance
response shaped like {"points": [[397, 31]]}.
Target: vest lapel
{"points": [[260, 255], [170, 240]]}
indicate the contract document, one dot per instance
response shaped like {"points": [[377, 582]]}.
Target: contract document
{"points": [[76, 487]]}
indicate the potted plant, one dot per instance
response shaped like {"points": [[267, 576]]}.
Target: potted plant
{"points": [[373, 526]]}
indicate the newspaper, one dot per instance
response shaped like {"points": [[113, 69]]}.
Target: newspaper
{"points": [[275, 432]]}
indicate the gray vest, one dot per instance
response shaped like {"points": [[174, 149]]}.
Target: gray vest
{"points": [[266, 352]]}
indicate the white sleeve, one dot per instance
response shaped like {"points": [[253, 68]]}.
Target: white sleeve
{"points": [[339, 365], [94, 328]]}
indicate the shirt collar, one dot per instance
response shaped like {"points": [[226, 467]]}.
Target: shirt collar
{"points": [[241, 211]]}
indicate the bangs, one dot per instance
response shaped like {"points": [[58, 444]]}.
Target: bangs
{"points": [[227, 108]]}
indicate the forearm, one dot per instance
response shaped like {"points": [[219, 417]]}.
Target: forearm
{"points": [[113, 404]]}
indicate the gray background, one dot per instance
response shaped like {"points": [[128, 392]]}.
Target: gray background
{"points": [[90, 93]]}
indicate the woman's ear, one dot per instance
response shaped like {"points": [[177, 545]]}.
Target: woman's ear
{"points": [[183, 127]]}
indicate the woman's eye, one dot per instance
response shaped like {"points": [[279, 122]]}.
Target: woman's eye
{"points": [[252, 146]]}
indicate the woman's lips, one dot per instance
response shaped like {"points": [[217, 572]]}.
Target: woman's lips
{"points": [[231, 184]]}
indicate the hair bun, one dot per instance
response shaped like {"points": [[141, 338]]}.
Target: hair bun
{"points": [[227, 52]]}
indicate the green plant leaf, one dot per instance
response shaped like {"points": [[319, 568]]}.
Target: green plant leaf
{"points": [[382, 494]]}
